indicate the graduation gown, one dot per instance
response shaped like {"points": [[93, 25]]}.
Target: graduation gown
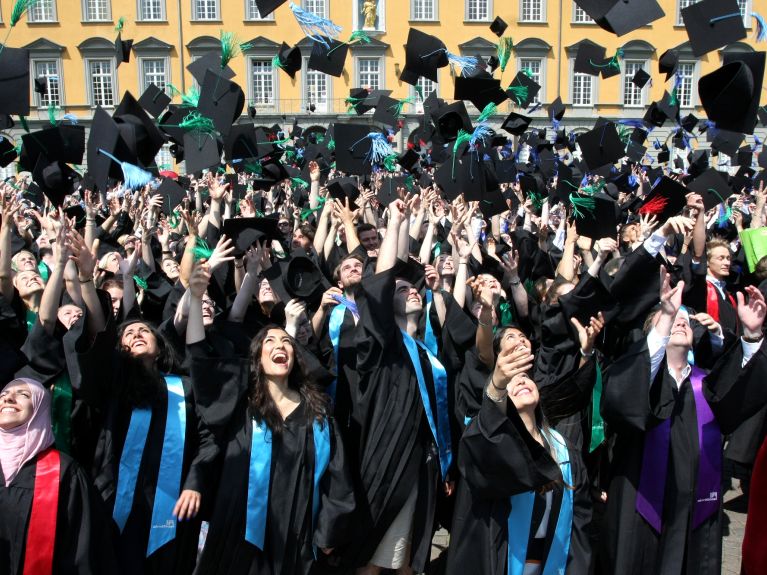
{"points": [[221, 385], [631, 405], [397, 452], [83, 544], [499, 458], [98, 376]]}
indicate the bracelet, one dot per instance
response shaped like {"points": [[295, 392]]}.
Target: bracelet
{"points": [[462, 261], [495, 399], [479, 321], [495, 386], [84, 281], [587, 355], [516, 283]]}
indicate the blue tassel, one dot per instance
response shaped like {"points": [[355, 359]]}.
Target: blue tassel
{"points": [[134, 177], [468, 64], [534, 107], [315, 27], [757, 142], [481, 132], [71, 118], [761, 27], [379, 148], [657, 145]]}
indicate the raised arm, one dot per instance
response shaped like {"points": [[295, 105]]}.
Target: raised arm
{"points": [[387, 254], [566, 269], [249, 285], [10, 207], [488, 300], [49, 303], [85, 259], [198, 283]]}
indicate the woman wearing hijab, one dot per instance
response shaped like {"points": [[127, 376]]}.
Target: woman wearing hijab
{"points": [[52, 521]]}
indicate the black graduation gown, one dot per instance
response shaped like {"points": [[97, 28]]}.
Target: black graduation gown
{"points": [[397, 451], [498, 458], [97, 375], [630, 406], [83, 543], [221, 385]]}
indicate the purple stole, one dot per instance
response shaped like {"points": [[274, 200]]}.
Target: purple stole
{"points": [[652, 480]]}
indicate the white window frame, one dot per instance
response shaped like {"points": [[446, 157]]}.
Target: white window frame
{"points": [[680, 5], [39, 97], [142, 16], [142, 76], [196, 16], [626, 81], [532, 20], [89, 77], [309, 6], [585, 18], [417, 106], [31, 13], [88, 17], [250, 5], [305, 72], [693, 83], [488, 13], [571, 84], [434, 8], [274, 79], [521, 60], [358, 71]]}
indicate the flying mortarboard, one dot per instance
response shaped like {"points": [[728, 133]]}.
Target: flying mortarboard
{"points": [[449, 120], [329, 60], [7, 151], [210, 61], [55, 178], [288, 59], [342, 188], [498, 26], [424, 54], [713, 186], [595, 215], [41, 85], [726, 141], [14, 82], [140, 134], [667, 199], [727, 95], [668, 63], [352, 148], [201, 151], [122, 50], [523, 89], [266, 7], [712, 24], [516, 124], [622, 16], [556, 110], [154, 100], [172, 194], [479, 90], [64, 142], [601, 146], [589, 59], [221, 100], [640, 78]]}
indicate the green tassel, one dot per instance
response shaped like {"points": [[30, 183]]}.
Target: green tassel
{"points": [[201, 250], [24, 124], [245, 46], [19, 9], [410, 184], [173, 218], [397, 108], [504, 52], [518, 93], [579, 203], [488, 111], [537, 200], [359, 36], [229, 48], [463, 137], [331, 145], [594, 188], [191, 98], [140, 282], [276, 62], [173, 90], [120, 24], [352, 103], [298, 183], [194, 121], [390, 162], [52, 114], [254, 168], [624, 133], [307, 211], [527, 72]]}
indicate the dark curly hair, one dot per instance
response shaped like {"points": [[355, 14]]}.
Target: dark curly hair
{"points": [[139, 385], [260, 401]]}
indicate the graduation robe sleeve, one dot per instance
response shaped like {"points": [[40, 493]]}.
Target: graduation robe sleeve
{"points": [[376, 329]]}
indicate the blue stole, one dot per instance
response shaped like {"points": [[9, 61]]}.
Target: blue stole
{"points": [[334, 331], [440, 427], [522, 513], [260, 473], [163, 525]]}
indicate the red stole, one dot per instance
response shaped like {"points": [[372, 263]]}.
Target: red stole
{"points": [[754, 549], [712, 300], [41, 533]]}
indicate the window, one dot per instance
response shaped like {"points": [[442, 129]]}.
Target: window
{"points": [[369, 73], [318, 7], [101, 83], [633, 96], [151, 10], [686, 74], [316, 89], [580, 16], [478, 10], [531, 11], [153, 71], [252, 13], [42, 11], [423, 9], [534, 68], [48, 69], [96, 10], [262, 82], [206, 10], [426, 87], [164, 160], [582, 91], [682, 4]]}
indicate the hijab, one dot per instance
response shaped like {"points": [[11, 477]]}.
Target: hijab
{"points": [[22, 443]]}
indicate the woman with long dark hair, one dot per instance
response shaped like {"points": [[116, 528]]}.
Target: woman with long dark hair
{"points": [[522, 506], [284, 495]]}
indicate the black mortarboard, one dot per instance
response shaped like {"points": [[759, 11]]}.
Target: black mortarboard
{"points": [[726, 95], [727, 141], [352, 148], [669, 107], [745, 156], [65, 143], [210, 61], [689, 122], [449, 120], [712, 185], [622, 16], [461, 175], [55, 178], [289, 59], [755, 61], [712, 24], [498, 26], [668, 62], [598, 222], [387, 111], [104, 135], [589, 59], [14, 82], [506, 171], [640, 78], [172, 194], [387, 192], [523, 97], [493, 203], [665, 200], [154, 100], [7, 151], [568, 182], [41, 85], [556, 110], [601, 146], [479, 90], [246, 141], [516, 124], [610, 67], [220, 100], [424, 54], [762, 158], [201, 151], [654, 116], [342, 188], [140, 134], [635, 152], [266, 7], [297, 277], [244, 232], [547, 162], [329, 60], [409, 160], [122, 50], [76, 213]]}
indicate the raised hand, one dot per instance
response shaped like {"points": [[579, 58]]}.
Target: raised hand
{"points": [[511, 362], [198, 283], [431, 277], [708, 322], [221, 253], [84, 258], [751, 313], [670, 298], [588, 334]]}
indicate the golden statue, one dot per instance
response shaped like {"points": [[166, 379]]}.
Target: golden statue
{"points": [[370, 10]]}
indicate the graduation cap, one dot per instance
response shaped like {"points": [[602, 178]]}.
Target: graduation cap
{"points": [[221, 100], [289, 59], [589, 59], [244, 232], [602, 145], [727, 142], [140, 134], [449, 120], [209, 62], [387, 192], [523, 89], [411, 271], [424, 54], [712, 24], [388, 111], [352, 148], [595, 215], [14, 82], [640, 78], [755, 61], [556, 110], [713, 186], [480, 90], [298, 277], [41, 85], [506, 171], [266, 7], [667, 199], [55, 179], [7, 151], [64, 142], [669, 106], [201, 151], [589, 297], [622, 16], [122, 50], [462, 174], [172, 194], [516, 124], [246, 141], [745, 156], [498, 26], [329, 60], [668, 63], [727, 95], [343, 188], [154, 100]]}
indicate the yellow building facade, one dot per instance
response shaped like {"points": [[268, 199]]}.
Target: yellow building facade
{"points": [[71, 44]]}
